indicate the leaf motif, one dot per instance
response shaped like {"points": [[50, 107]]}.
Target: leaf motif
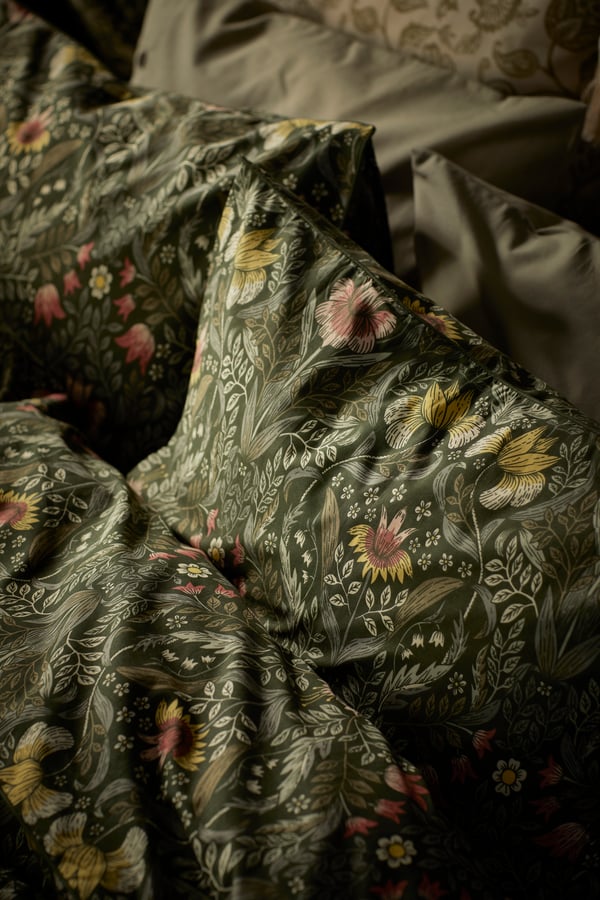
{"points": [[54, 157], [520, 63], [545, 637], [425, 596], [511, 613], [212, 775], [578, 659]]}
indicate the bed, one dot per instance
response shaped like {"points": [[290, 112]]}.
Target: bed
{"points": [[299, 450]]}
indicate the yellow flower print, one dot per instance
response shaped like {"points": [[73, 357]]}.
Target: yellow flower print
{"points": [[176, 736], [251, 253], [509, 776], [521, 461], [216, 551], [100, 281], [381, 550], [396, 851], [439, 410], [18, 510], [21, 783], [445, 324], [85, 867], [30, 136]]}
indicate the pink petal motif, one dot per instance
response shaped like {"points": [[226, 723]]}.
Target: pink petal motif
{"points": [[125, 306], [127, 273], [391, 809], [139, 343], [71, 282], [239, 554], [47, 305], [482, 741], [354, 316], [211, 521], [358, 825], [84, 254]]}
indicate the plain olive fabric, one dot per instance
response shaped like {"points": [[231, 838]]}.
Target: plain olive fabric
{"points": [[518, 274], [263, 55]]}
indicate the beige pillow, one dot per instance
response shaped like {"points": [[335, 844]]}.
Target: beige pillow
{"points": [[525, 46], [254, 54], [524, 278]]}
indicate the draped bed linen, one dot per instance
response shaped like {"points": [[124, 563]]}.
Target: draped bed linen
{"points": [[303, 600]]}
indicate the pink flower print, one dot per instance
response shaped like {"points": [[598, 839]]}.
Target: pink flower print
{"points": [[71, 282], [430, 890], [46, 305], [84, 254], [552, 774], [354, 316], [358, 825], [390, 891], [238, 552], [211, 521], [546, 807], [139, 343], [462, 768], [125, 306], [127, 273], [391, 809], [408, 783], [481, 741], [30, 136], [241, 586]]}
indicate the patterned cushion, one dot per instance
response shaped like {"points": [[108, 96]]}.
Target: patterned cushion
{"points": [[409, 514], [246, 53], [506, 272], [109, 202], [549, 47]]}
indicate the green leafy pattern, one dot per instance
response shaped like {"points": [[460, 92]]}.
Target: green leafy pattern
{"points": [[410, 519], [338, 636], [108, 208]]}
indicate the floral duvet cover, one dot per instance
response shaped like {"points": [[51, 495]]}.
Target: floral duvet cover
{"points": [[308, 605]]}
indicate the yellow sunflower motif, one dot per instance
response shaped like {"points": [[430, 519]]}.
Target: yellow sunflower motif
{"points": [[176, 737], [380, 549], [521, 460], [19, 511], [30, 136], [251, 253], [85, 867], [439, 410], [21, 783]]}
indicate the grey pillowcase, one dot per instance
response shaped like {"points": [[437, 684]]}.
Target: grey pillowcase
{"points": [[263, 55], [521, 276]]}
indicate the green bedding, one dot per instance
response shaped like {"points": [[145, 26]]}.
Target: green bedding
{"points": [[299, 577]]}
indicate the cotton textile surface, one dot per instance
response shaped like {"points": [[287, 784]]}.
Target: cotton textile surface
{"points": [[415, 518], [517, 298], [271, 56], [547, 47], [108, 206], [339, 635]]}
